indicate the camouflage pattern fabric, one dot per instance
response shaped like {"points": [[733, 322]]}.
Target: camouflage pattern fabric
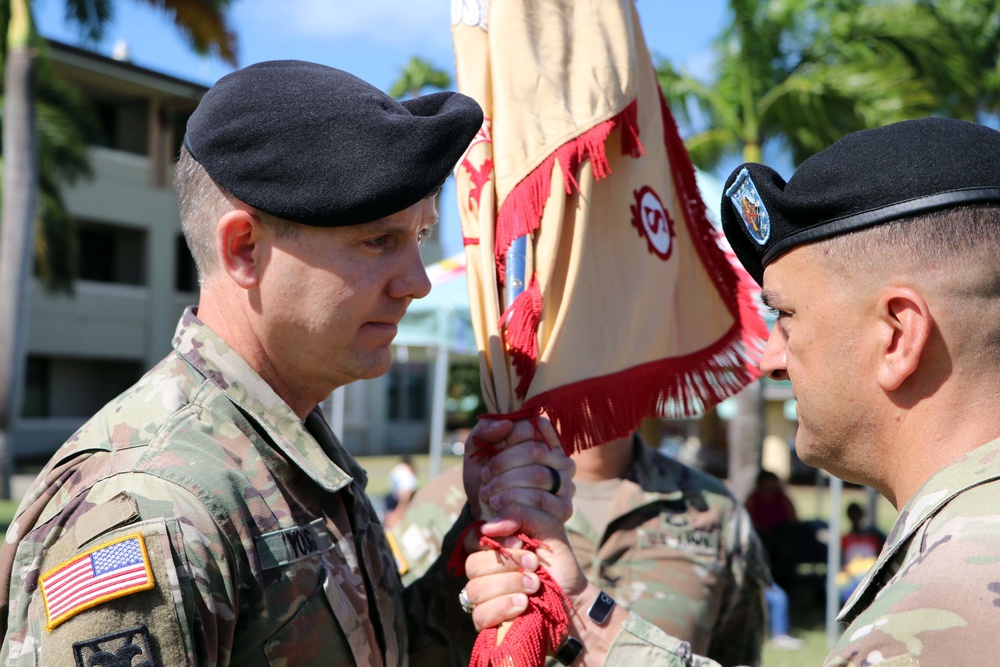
{"points": [[932, 597], [679, 551], [259, 540]]}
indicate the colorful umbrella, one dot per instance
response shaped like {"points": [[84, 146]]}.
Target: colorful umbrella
{"points": [[598, 291]]}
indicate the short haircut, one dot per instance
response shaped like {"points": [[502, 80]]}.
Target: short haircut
{"points": [[951, 252], [962, 237], [202, 202]]}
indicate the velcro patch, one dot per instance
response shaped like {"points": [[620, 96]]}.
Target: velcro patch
{"points": [[291, 544], [111, 570], [118, 648]]}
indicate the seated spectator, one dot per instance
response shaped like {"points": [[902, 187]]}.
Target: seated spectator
{"points": [[402, 485], [859, 549]]}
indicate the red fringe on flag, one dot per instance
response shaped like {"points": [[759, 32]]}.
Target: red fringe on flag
{"points": [[519, 326], [521, 211], [598, 410]]}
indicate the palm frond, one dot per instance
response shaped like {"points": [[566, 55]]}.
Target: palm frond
{"points": [[204, 24]]}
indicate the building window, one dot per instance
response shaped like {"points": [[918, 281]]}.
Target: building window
{"points": [[74, 387], [112, 254], [408, 392], [185, 271], [123, 122], [36, 390]]}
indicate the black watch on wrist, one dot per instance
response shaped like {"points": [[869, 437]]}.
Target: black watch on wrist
{"points": [[569, 651], [600, 611]]}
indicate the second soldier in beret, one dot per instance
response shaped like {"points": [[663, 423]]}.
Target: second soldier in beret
{"points": [[208, 515], [879, 257]]}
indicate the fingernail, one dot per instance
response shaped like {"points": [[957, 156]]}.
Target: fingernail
{"points": [[512, 542], [519, 602], [495, 502], [529, 562], [530, 581]]}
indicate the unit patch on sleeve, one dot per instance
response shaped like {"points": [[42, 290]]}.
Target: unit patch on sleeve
{"points": [[119, 648], [111, 570]]}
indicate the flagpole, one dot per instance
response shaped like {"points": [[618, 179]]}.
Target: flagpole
{"points": [[516, 262]]}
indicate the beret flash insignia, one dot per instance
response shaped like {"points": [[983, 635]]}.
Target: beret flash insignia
{"points": [[743, 193]]}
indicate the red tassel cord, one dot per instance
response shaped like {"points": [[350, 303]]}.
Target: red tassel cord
{"points": [[534, 634], [538, 631]]}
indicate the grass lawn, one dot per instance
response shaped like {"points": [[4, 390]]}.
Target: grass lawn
{"points": [[812, 653], [7, 509]]}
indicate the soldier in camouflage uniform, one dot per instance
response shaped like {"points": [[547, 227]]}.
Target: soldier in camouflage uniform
{"points": [[879, 257], [208, 515], [675, 546]]}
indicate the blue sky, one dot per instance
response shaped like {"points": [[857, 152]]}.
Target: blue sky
{"points": [[372, 39]]}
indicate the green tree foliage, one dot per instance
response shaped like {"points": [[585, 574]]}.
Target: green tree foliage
{"points": [[417, 75], [803, 73]]}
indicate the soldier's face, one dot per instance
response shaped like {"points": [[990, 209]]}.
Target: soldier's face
{"points": [[334, 297], [819, 343]]}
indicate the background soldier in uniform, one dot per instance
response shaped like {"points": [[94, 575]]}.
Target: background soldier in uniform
{"points": [[880, 258], [208, 515], [665, 540]]}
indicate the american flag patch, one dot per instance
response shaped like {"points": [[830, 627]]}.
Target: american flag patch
{"points": [[110, 571]]}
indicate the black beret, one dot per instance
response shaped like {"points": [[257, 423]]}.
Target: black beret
{"points": [[318, 146], [865, 179]]}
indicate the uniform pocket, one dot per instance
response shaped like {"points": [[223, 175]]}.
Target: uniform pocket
{"points": [[311, 636]]}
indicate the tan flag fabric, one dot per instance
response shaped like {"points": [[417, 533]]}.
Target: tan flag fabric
{"points": [[629, 308]]}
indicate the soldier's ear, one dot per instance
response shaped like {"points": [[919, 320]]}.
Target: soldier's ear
{"points": [[240, 243], [905, 325]]}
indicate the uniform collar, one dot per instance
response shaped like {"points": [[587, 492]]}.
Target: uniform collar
{"points": [[977, 467], [201, 347]]}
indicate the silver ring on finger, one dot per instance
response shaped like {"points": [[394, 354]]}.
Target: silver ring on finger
{"points": [[463, 599], [556, 480]]}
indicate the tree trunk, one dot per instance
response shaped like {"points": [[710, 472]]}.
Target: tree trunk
{"points": [[17, 224], [746, 440]]}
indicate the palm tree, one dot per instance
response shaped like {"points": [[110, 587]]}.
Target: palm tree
{"points": [[803, 73], [203, 23], [417, 75]]}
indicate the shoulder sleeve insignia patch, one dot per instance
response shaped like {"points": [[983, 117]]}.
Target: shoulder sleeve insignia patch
{"points": [[746, 200], [117, 648], [111, 570]]}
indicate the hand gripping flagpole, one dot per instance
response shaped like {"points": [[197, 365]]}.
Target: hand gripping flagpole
{"points": [[598, 293]]}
